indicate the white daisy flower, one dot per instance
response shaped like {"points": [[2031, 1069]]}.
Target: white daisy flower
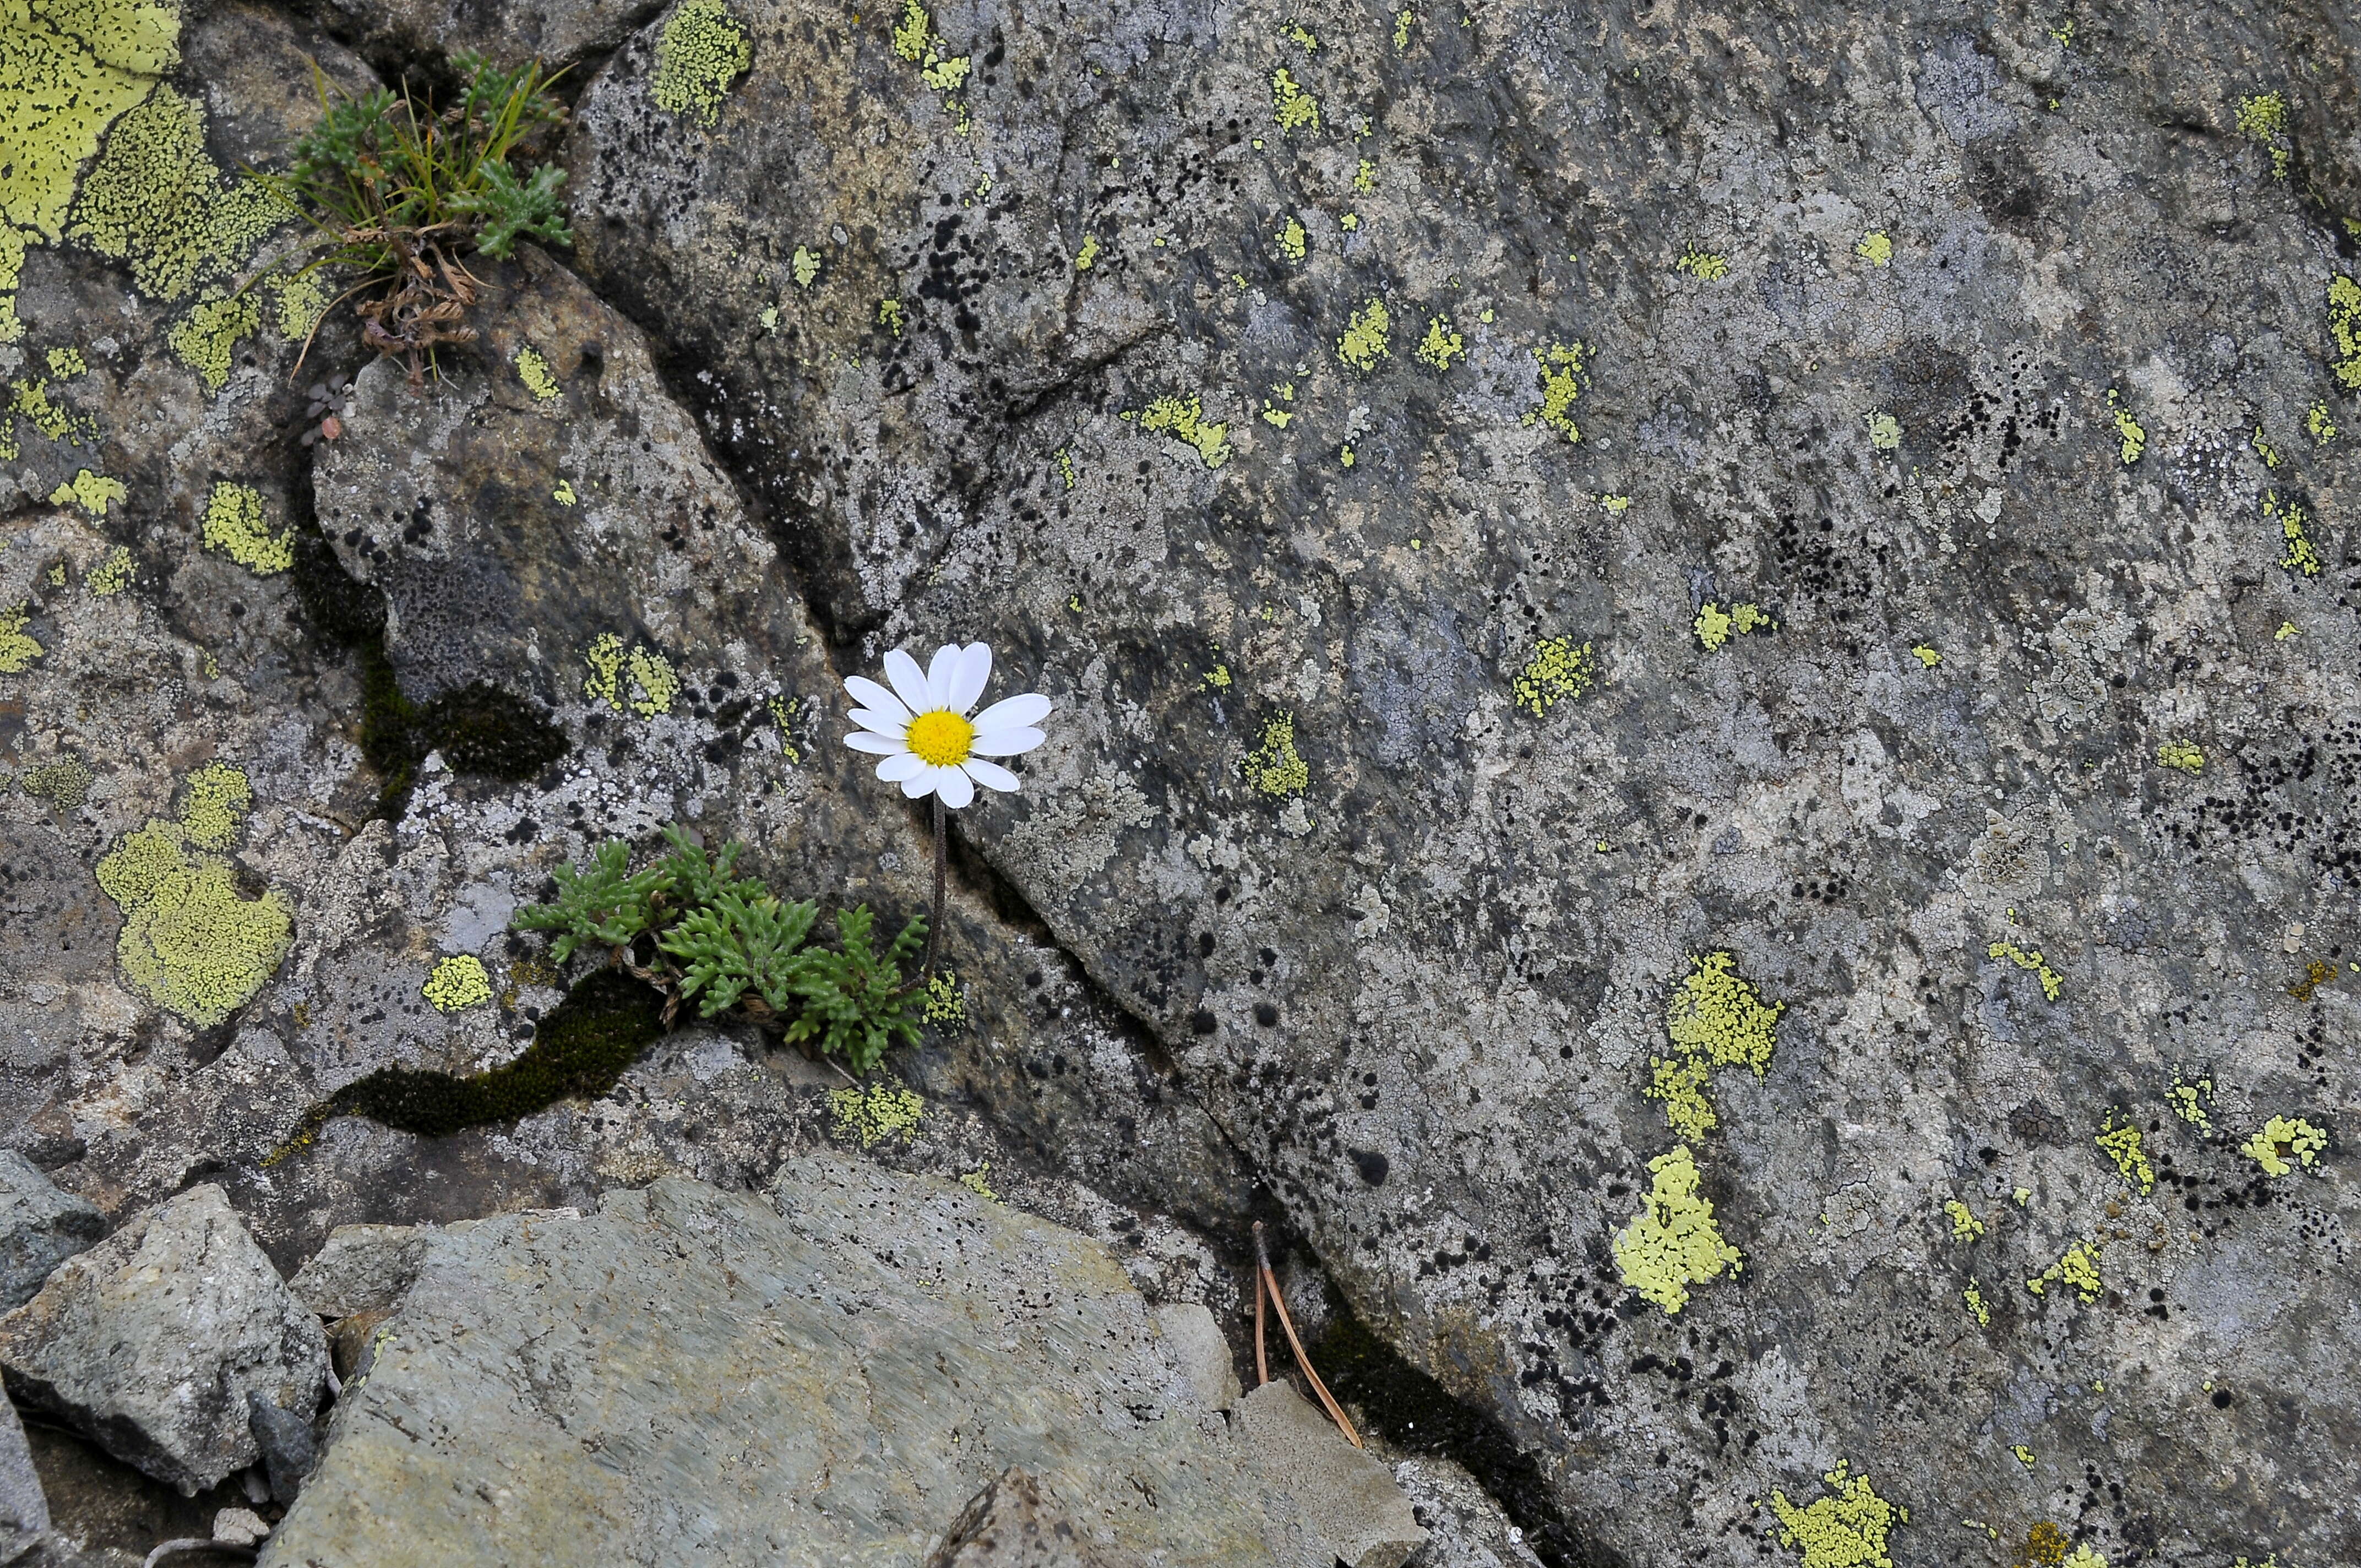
{"points": [[922, 730]]}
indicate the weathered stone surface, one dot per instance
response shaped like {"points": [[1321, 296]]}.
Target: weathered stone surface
{"points": [[694, 1375], [150, 1342], [40, 1227], [1011, 1524], [24, 1512], [1350, 1500]]}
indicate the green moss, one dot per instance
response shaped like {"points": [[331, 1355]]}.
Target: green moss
{"points": [[1563, 379], [207, 337], [1847, 1528], [1876, 248], [91, 492], [1441, 346], [1705, 265], [702, 49], [2283, 1142], [2122, 1144], [18, 649], [1673, 1243], [2302, 558], [1184, 419], [533, 371], [233, 525], [68, 70], [1275, 768], [580, 1048], [2077, 1267], [873, 1113], [190, 942], [155, 200], [1557, 672], [2051, 980], [1364, 343], [2180, 754], [460, 981], [1715, 1017], [1294, 108]]}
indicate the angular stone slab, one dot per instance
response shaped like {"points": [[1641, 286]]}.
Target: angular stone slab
{"points": [[40, 1227], [149, 1343], [24, 1512]]}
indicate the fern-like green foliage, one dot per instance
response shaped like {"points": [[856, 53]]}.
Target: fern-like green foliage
{"points": [[723, 940]]}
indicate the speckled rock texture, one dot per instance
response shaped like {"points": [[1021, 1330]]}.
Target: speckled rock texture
{"points": [[691, 1376], [24, 1512], [40, 1227], [1705, 668], [150, 1342]]}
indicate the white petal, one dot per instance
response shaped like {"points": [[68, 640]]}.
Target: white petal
{"points": [[956, 788], [901, 765], [990, 775], [872, 696], [917, 786], [968, 682], [909, 681], [1012, 711], [875, 745], [883, 723], [1006, 742], [940, 675]]}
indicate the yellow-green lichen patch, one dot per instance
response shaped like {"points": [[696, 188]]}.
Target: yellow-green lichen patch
{"points": [[1978, 1308], [2263, 117], [1705, 265], [19, 647], [2300, 557], [189, 943], [2051, 980], [2181, 755], [233, 525], [563, 494], [1294, 243], [298, 302], [946, 1001], [64, 783], [1884, 433], [155, 199], [1364, 343], [891, 316], [634, 680], [1672, 1242], [944, 75], [1402, 19], [1441, 346], [31, 401], [65, 364], [111, 576], [2122, 1144], [1294, 108], [68, 70], [2077, 1267], [1715, 626], [1303, 38], [1087, 256], [1847, 1528], [1928, 657], [977, 1182], [533, 371], [1965, 1226], [213, 804], [1216, 679], [2264, 449], [2024, 1455], [871, 1115], [911, 32], [207, 337], [1365, 179], [1065, 459], [1715, 1017], [702, 49], [1561, 383], [2083, 1556], [2128, 431], [1184, 421], [2189, 1102], [91, 492], [2283, 1142], [1276, 768], [1876, 248], [2316, 423], [456, 982], [1558, 671], [803, 266]]}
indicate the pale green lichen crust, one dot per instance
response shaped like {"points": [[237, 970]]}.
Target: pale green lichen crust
{"points": [[1715, 1017], [1673, 1243], [1705, 265], [1715, 626], [2077, 1267], [206, 339], [1294, 108], [1441, 345], [634, 680], [2181, 755], [19, 647], [1275, 768], [702, 49], [2051, 980], [1561, 383], [458, 983], [233, 525], [1884, 433], [1183, 419], [1876, 248], [189, 943], [1557, 672], [2128, 431], [91, 492], [2302, 558], [155, 199], [1848, 1529], [1364, 343], [2122, 1144], [1965, 1226], [533, 371], [111, 576], [873, 1114], [2283, 1142], [946, 1001]]}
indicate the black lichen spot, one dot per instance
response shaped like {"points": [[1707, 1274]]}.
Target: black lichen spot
{"points": [[1372, 1166], [1201, 1022], [1267, 1015], [580, 1048]]}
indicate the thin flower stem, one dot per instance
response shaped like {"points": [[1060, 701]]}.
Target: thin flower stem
{"points": [[1270, 1283], [934, 925], [1262, 1365]]}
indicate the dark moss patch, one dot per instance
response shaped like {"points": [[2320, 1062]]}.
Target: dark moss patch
{"points": [[580, 1048], [480, 729], [1414, 1412]]}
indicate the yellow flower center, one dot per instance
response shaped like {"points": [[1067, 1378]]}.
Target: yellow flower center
{"points": [[941, 738]]}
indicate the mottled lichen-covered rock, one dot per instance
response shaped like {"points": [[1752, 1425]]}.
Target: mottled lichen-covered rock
{"points": [[1521, 509], [40, 1227]]}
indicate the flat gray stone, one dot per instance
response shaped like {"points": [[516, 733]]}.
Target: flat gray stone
{"points": [[149, 1343], [1012, 1523], [1349, 1497], [24, 1512], [690, 1375], [40, 1227]]}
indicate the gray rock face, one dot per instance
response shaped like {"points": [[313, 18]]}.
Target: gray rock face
{"points": [[689, 1375], [40, 1227], [149, 1343], [1351, 1500], [1011, 1524], [24, 1512]]}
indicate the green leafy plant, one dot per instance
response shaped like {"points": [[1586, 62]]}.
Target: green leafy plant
{"points": [[403, 192], [695, 930]]}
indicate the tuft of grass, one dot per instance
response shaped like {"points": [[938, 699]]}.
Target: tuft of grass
{"points": [[402, 193]]}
